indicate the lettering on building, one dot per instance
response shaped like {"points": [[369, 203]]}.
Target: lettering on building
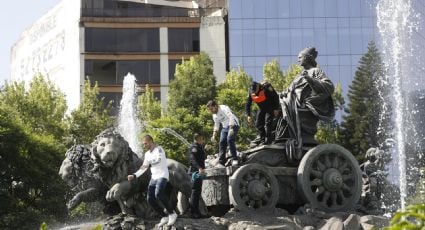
{"points": [[43, 54]]}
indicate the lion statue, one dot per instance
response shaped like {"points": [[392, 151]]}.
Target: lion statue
{"points": [[105, 167], [77, 172]]}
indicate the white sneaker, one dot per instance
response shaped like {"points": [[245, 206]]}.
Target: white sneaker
{"points": [[235, 163], [163, 221], [172, 218]]}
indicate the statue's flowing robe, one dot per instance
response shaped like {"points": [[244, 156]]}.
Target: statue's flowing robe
{"points": [[306, 101]]}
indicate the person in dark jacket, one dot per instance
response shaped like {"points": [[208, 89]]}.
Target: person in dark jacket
{"points": [[267, 100], [196, 171]]}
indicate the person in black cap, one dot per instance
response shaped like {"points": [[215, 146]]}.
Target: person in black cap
{"points": [[196, 170], [268, 102]]}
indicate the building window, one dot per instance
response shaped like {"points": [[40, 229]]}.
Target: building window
{"points": [[183, 40], [121, 40], [108, 73], [113, 97], [172, 68], [146, 72], [101, 71], [114, 8]]}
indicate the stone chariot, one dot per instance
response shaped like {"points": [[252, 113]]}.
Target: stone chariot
{"points": [[327, 176]]}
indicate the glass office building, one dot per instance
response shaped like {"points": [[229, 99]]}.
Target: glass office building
{"points": [[260, 31]]}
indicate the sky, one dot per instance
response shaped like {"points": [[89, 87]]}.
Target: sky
{"points": [[15, 17]]}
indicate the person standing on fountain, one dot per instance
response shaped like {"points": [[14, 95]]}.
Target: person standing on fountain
{"points": [[268, 103], [230, 126], [196, 170], [156, 160]]}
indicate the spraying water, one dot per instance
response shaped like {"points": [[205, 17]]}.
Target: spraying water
{"points": [[175, 134], [396, 21], [129, 125]]}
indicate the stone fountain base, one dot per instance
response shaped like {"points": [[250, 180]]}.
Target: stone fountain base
{"points": [[303, 219]]}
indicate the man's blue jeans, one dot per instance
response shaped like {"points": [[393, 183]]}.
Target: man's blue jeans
{"points": [[157, 196], [226, 140]]}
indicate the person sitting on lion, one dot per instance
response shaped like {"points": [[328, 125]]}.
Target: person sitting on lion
{"points": [[156, 160]]}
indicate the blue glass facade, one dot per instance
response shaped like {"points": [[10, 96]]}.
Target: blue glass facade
{"points": [[260, 31]]}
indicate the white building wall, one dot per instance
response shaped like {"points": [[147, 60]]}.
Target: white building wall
{"points": [[51, 47], [212, 41]]}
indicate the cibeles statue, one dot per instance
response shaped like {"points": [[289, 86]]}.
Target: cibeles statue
{"points": [[99, 173], [307, 100]]}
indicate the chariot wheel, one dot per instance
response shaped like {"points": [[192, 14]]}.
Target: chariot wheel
{"points": [[253, 187], [330, 178]]}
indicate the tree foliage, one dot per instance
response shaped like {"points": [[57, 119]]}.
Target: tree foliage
{"points": [[193, 85], [279, 79], [91, 117], [418, 196], [363, 117], [31, 151], [41, 106], [412, 218], [330, 132], [149, 106], [169, 130]]}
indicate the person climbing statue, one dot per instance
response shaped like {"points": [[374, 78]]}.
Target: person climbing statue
{"points": [[230, 126], [267, 100], [156, 160]]}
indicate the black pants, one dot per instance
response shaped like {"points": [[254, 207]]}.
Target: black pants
{"points": [[195, 195], [264, 124]]}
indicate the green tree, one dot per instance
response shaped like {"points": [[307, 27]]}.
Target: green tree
{"points": [[149, 106], [193, 85], [42, 105], [169, 130], [279, 79], [91, 117], [330, 132], [273, 73], [363, 116], [418, 196], [31, 151], [412, 218]]}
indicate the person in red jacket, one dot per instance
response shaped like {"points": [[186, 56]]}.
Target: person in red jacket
{"points": [[267, 100]]}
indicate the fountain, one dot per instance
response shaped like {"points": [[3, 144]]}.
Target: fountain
{"points": [[397, 23], [129, 125]]}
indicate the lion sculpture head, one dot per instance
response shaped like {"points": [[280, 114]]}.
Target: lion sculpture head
{"points": [[113, 157]]}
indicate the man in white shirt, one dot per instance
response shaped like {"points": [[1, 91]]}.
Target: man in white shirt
{"points": [[230, 126], [156, 160]]}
